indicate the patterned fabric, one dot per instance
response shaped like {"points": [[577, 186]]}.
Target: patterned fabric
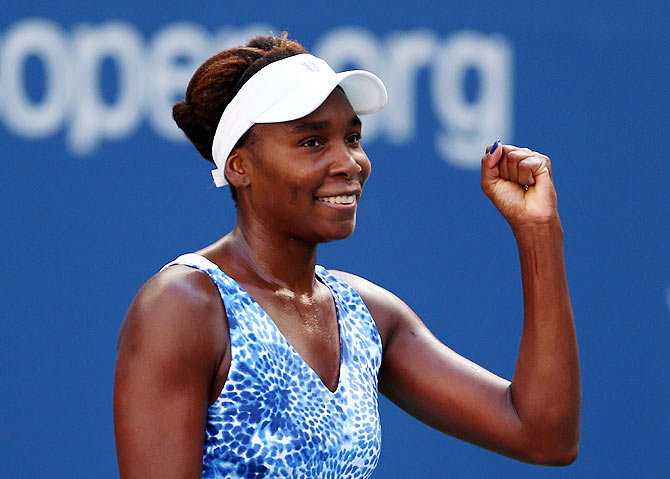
{"points": [[275, 417]]}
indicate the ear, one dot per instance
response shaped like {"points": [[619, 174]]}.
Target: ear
{"points": [[236, 168]]}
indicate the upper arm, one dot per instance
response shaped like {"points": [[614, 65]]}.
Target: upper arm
{"points": [[170, 346], [435, 384]]}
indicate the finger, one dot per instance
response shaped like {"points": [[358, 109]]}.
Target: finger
{"points": [[541, 167], [509, 163], [527, 168], [490, 169], [513, 159], [551, 174], [522, 159], [504, 165], [493, 154], [519, 154], [491, 159], [510, 148], [544, 183], [527, 163]]}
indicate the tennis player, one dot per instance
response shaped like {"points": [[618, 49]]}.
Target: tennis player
{"points": [[246, 359]]}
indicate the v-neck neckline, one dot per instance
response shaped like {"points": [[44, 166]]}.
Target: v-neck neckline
{"points": [[338, 318]]}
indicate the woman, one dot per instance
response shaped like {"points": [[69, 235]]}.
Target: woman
{"points": [[270, 364]]}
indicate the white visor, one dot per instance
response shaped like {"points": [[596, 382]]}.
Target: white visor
{"points": [[286, 90]]}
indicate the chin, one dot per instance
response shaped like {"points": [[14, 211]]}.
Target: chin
{"points": [[338, 238], [336, 234]]}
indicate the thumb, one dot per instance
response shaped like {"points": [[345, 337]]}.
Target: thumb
{"points": [[490, 170]]}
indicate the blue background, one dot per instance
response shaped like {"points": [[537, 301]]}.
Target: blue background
{"points": [[80, 234]]}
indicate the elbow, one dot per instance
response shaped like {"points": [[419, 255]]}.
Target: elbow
{"points": [[562, 458], [558, 455]]}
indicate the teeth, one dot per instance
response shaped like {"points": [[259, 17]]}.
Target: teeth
{"points": [[339, 200]]}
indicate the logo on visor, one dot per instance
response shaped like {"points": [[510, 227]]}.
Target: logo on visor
{"points": [[311, 66]]}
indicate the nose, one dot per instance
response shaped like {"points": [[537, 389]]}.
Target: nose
{"points": [[348, 163]]}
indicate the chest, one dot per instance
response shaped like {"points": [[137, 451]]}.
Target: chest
{"points": [[310, 327], [275, 413]]}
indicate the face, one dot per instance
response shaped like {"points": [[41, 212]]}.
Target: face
{"points": [[305, 176]]}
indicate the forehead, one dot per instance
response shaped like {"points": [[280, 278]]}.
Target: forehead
{"points": [[334, 111]]}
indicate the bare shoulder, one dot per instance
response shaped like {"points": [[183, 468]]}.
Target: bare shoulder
{"points": [[369, 291], [177, 307], [172, 343], [385, 307]]}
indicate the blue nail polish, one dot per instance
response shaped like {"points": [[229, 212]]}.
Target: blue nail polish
{"points": [[495, 145]]}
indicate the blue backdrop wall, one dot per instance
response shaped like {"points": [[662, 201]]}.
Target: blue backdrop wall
{"points": [[98, 190]]}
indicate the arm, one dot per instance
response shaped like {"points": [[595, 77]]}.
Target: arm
{"points": [[545, 389], [536, 417], [170, 347]]}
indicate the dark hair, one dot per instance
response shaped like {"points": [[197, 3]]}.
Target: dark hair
{"points": [[215, 83]]}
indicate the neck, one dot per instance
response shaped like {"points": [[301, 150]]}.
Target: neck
{"points": [[260, 255]]}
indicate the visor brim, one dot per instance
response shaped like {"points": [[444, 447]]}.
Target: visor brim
{"points": [[364, 90]]}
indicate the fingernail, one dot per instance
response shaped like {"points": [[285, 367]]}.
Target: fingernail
{"points": [[495, 145]]}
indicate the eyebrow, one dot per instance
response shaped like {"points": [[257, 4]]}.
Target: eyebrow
{"points": [[304, 126]]}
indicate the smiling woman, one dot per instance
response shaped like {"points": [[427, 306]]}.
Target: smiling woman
{"points": [[247, 359], [315, 165]]}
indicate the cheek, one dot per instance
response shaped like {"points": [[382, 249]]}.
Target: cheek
{"points": [[366, 169], [296, 187], [276, 178], [294, 193]]}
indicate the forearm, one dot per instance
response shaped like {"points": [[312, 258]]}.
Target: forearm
{"points": [[546, 387]]}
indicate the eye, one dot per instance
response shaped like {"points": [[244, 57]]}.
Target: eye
{"points": [[354, 139], [312, 143]]}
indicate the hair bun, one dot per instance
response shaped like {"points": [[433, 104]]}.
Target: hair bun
{"points": [[187, 120], [216, 82], [183, 113]]}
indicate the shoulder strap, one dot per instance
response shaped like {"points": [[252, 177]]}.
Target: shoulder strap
{"points": [[233, 296], [194, 261], [357, 315], [227, 286], [338, 286]]}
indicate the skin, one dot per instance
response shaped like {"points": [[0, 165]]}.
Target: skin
{"points": [[174, 345]]}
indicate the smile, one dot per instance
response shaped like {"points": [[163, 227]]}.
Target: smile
{"points": [[338, 200]]}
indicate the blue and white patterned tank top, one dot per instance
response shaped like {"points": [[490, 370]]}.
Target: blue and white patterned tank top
{"points": [[275, 417]]}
